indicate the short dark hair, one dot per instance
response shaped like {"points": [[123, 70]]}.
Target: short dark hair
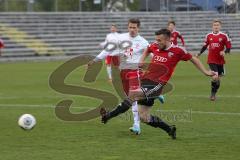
{"points": [[171, 22], [165, 32], [135, 21]]}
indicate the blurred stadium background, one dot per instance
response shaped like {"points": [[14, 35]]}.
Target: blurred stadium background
{"points": [[59, 27], [43, 30]]}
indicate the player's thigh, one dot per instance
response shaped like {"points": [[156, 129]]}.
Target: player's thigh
{"points": [[147, 86], [136, 94], [221, 70], [108, 60], [133, 79], [125, 81]]}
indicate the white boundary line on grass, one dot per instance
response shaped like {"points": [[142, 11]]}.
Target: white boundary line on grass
{"points": [[205, 96], [51, 106], [169, 95], [203, 112]]}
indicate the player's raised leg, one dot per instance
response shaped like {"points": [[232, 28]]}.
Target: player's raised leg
{"points": [[123, 106]]}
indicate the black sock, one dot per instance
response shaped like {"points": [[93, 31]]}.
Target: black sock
{"points": [[121, 108], [215, 86], [158, 123]]}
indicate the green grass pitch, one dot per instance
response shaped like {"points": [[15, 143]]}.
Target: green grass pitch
{"points": [[212, 132]]}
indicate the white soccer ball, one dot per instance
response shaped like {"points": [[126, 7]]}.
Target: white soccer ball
{"points": [[27, 121]]}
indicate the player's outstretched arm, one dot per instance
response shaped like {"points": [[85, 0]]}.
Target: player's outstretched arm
{"points": [[202, 50], [99, 57], [182, 40], [201, 67]]}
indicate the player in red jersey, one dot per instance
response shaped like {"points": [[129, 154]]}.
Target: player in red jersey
{"points": [[216, 41], [1, 46], [165, 58], [175, 34]]}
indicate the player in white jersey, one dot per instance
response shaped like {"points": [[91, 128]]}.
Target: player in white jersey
{"points": [[129, 48], [111, 37]]}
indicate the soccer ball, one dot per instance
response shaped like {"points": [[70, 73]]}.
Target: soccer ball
{"points": [[27, 121]]}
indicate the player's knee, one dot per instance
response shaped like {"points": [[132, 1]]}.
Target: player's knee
{"points": [[215, 78], [143, 117], [132, 95]]}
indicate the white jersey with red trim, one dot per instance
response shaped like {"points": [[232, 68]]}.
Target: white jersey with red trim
{"points": [[130, 50]]}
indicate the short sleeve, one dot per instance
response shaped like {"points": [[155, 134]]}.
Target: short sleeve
{"points": [[206, 42], [149, 48], [184, 55], [228, 42], [145, 44]]}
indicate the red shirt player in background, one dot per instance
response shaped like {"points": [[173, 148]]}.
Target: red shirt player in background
{"points": [[1, 46], [216, 41], [175, 34]]}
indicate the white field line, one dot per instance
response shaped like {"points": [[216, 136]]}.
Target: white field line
{"points": [[169, 95], [34, 106], [202, 112], [205, 96], [14, 106]]}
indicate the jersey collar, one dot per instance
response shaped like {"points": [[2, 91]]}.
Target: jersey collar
{"points": [[216, 33], [169, 47]]}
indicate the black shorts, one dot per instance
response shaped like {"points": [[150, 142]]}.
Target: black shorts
{"points": [[151, 91], [217, 68]]}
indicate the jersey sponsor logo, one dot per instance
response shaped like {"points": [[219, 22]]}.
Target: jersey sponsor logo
{"points": [[215, 45], [128, 52], [160, 59]]}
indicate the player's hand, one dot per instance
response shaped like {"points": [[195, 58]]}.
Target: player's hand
{"points": [[222, 53], [211, 73]]}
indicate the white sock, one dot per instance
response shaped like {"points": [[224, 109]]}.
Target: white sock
{"points": [[136, 118], [109, 72]]}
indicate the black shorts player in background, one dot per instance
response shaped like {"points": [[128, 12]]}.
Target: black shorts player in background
{"points": [[216, 41]]}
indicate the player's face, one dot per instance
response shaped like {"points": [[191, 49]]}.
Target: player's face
{"points": [[171, 27], [133, 29], [216, 27], [162, 41], [113, 29]]}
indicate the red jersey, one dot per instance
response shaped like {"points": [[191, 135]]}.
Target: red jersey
{"points": [[1, 43], [216, 43], [163, 62], [174, 37]]}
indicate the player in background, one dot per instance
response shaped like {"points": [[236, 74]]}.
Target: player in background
{"points": [[216, 41], [1, 46], [165, 58], [129, 59], [111, 37], [175, 34]]}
